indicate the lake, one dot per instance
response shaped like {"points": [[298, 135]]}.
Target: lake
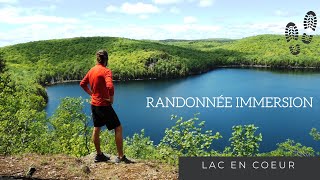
{"points": [[275, 124]]}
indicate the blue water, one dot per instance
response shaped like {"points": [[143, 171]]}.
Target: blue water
{"points": [[275, 124]]}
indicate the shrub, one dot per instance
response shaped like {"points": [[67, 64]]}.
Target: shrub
{"points": [[140, 146], [189, 138], [69, 132], [244, 142], [291, 149]]}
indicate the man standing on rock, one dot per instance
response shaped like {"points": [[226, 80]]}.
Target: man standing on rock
{"points": [[102, 92]]}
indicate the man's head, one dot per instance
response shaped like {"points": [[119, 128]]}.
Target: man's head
{"points": [[102, 57]]}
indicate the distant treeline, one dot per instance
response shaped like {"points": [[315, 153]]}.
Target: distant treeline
{"points": [[68, 59]]}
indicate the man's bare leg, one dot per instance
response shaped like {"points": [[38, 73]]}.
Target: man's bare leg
{"points": [[96, 139], [119, 140]]}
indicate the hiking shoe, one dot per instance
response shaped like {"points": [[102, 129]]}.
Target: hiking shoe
{"points": [[123, 159], [101, 158]]}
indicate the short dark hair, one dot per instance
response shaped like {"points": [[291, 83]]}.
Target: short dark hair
{"points": [[102, 56]]}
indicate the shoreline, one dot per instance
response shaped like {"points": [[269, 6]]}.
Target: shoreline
{"points": [[266, 67], [77, 80]]}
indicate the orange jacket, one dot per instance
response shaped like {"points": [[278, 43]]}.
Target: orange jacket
{"points": [[100, 79]]}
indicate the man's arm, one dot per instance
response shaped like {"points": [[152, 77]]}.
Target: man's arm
{"points": [[110, 86], [84, 84]]}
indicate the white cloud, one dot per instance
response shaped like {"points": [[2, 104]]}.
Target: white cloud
{"points": [[137, 8], [52, 7], [24, 34], [13, 15], [90, 14], [270, 27], [8, 1], [177, 28], [43, 19], [189, 20], [167, 1], [174, 10], [112, 8], [281, 13], [254, 28], [42, 31], [52, 1], [206, 3], [143, 16], [188, 31], [156, 32], [8, 12]]}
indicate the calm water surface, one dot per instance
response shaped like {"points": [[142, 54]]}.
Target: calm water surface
{"points": [[275, 124]]}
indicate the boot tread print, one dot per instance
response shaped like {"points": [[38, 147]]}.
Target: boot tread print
{"points": [[295, 50], [306, 38], [292, 33], [310, 21]]}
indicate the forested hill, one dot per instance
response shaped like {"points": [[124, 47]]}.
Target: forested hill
{"points": [[266, 50], [67, 59], [129, 59]]}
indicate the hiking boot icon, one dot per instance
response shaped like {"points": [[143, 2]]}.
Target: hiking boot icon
{"points": [[292, 32]]}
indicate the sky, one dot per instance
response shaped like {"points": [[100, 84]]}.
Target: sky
{"points": [[32, 20]]}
